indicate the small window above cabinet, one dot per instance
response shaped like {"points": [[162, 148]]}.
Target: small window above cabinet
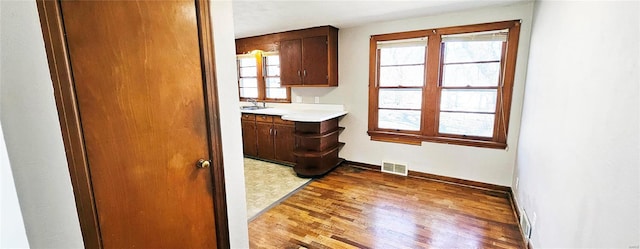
{"points": [[307, 57], [248, 76], [259, 77]]}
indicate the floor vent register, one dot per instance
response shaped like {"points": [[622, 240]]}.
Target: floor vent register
{"points": [[394, 168]]}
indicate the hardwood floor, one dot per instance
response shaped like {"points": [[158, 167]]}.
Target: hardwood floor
{"points": [[357, 208]]}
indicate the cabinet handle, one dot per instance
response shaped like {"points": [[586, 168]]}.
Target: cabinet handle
{"points": [[275, 132], [305, 73], [298, 73], [270, 131]]}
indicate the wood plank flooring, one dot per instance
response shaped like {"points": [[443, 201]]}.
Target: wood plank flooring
{"points": [[357, 208]]}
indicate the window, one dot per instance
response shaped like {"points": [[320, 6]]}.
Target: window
{"points": [[450, 85], [248, 76], [259, 77], [400, 82], [272, 77]]}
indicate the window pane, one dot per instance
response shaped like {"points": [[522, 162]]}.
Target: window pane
{"points": [[476, 100], [400, 98], [248, 72], [248, 82], [277, 93], [273, 71], [272, 82], [399, 120], [402, 76], [249, 92], [472, 51], [470, 124], [272, 60], [247, 62], [476, 74], [402, 55]]}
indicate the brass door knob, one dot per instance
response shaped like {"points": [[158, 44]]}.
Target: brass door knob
{"points": [[203, 163]]}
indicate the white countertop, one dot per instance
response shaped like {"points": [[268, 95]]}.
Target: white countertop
{"points": [[301, 114]]}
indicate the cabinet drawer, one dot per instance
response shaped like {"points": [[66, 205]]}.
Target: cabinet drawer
{"points": [[248, 117], [279, 120], [264, 118]]}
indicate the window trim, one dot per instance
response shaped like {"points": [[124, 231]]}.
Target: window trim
{"points": [[238, 67], [262, 86], [432, 88]]}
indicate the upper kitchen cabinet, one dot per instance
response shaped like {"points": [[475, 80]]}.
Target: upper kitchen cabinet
{"points": [[305, 61], [308, 57]]}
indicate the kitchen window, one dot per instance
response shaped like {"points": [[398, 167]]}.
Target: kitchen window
{"points": [[259, 78], [400, 82], [450, 85]]}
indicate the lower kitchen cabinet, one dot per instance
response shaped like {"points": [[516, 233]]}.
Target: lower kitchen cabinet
{"points": [[268, 137], [284, 142], [264, 140], [249, 135], [317, 147]]}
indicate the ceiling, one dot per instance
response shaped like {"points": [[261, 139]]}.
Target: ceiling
{"points": [[258, 17]]}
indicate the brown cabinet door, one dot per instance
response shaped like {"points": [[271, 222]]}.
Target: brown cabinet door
{"points": [[315, 60], [290, 62], [249, 139], [138, 82], [284, 141], [264, 138]]}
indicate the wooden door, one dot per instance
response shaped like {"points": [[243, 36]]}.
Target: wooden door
{"points": [[138, 77], [315, 60], [291, 62], [249, 138]]}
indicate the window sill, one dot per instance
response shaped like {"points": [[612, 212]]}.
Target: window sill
{"points": [[415, 139], [267, 100]]}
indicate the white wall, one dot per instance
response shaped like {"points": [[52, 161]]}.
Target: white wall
{"points": [[12, 232], [479, 164], [32, 131], [578, 158], [225, 49]]}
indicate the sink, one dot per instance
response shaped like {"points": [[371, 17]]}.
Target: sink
{"points": [[252, 107]]}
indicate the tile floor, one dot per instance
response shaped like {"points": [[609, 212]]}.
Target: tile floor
{"points": [[267, 184]]}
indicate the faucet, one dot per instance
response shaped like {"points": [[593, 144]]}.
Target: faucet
{"points": [[254, 102]]}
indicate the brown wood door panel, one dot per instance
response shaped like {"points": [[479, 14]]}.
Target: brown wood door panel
{"points": [[138, 79], [290, 62], [315, 60]]}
